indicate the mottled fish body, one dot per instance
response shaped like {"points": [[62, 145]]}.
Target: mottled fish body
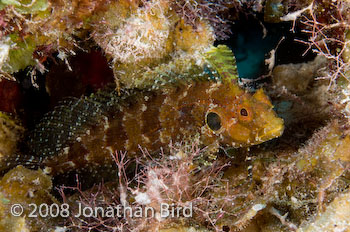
{"points": [[84, 132]]}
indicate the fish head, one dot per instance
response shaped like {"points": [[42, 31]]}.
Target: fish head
{"points": [[243, 119]]}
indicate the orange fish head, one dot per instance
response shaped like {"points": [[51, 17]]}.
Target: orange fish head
{"points": [[243, 120]]}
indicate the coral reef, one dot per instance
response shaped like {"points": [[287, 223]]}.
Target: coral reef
{"points": [[10, 134], [33, 31], [338, 211], [151, 37], [160, 113], [143, 36], [298, 183], [327, 34], [169, 179], [296, 78], [25, 187], [134, 35], [211, 11]]}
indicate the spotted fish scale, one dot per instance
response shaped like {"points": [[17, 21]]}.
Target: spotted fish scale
{"points": [[68, 121]]}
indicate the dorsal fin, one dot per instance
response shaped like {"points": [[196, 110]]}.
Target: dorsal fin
{"points": [[222, 59]]}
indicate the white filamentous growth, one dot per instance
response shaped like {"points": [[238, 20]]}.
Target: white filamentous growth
{"points": [[4, 51], [294, 15], [142, 198]]}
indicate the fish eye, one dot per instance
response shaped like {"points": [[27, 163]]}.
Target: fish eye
{"points": [[213, 121], [244, 112]]}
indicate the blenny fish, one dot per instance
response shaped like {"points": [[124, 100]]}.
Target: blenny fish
{"points": [[86, 131]]}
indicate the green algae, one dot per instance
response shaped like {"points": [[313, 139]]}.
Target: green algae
{"points": [[26, 6], [20, 55]]}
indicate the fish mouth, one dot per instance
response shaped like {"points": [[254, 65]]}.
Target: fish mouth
{"points": [[272, 131]]}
